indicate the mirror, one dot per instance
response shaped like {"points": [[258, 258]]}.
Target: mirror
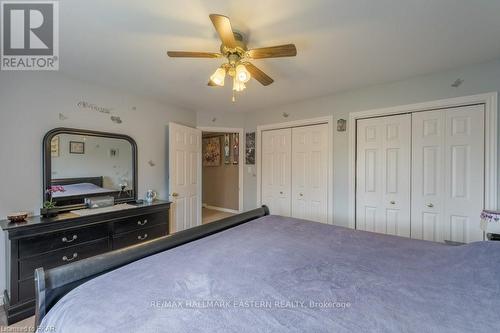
{"points": [[81, 164]]}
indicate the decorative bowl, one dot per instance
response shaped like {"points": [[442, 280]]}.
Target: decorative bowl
{"points": [[17, 217]]}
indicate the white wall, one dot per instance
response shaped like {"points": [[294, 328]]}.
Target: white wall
{"points": [[30, 104], [480, 78]]}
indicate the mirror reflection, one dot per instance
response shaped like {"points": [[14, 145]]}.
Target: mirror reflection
{"points": [[84, 165]]}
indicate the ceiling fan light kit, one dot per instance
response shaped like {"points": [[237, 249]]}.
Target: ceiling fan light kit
{"points": [[235, 51]]}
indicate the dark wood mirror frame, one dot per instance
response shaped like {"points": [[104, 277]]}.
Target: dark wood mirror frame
{"points": [[47, 164]]}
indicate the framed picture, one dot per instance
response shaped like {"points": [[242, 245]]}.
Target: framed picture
{"points": [[227, 149], [54, 146], [76, 147], [211, 151], [236, 148], [250, 148]]}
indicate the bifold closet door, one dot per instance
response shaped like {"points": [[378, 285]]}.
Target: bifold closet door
{"points": [[448, 174], [310, 173], [276, 170], [383, 175]]}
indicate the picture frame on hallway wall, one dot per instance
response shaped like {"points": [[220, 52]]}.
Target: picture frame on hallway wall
{"points": [[211, 151], [227, 149], [250, 149], [236, 148]]}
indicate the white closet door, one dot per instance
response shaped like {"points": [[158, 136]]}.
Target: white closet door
{"points": [[428, 175], [310, 172], [448, 174], [276, 170], [383, 175]]}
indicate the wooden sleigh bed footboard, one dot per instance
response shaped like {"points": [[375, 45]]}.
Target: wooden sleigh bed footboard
{"points": [[51, 285]]}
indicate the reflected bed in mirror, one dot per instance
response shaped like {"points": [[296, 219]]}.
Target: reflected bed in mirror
{"points": [[81, 164]]}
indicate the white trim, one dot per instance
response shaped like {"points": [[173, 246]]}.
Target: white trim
{"points": [[491, 110], [241, 161], [298, 123], [220, 209]]}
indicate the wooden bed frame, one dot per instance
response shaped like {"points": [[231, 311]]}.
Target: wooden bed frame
{"points": [[51, 285]]}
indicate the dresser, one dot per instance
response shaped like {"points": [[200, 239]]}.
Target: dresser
{"points": [[52, 242]]}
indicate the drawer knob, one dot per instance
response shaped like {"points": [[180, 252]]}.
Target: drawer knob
{"points": [[75, 255], [142, 222], [142, 237], [66, 240], [430, 205]]}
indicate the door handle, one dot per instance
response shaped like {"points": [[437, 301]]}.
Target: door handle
{"points": [[142, 237], [430, 205], [175, 194], [66, 240], [65, 258]]}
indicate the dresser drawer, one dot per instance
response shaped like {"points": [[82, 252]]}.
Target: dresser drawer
{"points": [[140, 222], [139, 236], [61, 257], [58, 240]]}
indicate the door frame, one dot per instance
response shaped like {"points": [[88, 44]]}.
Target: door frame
{"points": [[490, 141], [241, 161], [290, 124]]}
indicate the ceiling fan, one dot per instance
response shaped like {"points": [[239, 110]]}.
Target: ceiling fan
{"points": [[235, 50]]}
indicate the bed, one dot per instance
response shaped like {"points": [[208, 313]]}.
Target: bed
{"points": [[76, 189], [255, 272]]}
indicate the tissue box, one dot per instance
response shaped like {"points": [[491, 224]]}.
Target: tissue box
{"points": [[99, 202]]}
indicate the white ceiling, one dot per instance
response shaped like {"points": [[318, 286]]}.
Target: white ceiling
{"points": [[341, 45]]}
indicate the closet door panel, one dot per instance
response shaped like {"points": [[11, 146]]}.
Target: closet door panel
{"points": [[464, 181], [427, 175], [383, 175], [276, 171], [396, 166], [310, 172], [448, 174]]}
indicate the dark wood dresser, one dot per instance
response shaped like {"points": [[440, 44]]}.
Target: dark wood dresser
{"points": [[52, 242]]}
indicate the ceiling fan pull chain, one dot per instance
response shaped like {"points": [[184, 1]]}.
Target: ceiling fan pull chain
{"points": [[234, 99]]}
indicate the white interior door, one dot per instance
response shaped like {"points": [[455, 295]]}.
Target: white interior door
{"points": [[448, 174], [276, 170], [310, 173], [383, 175], [184, 176]]}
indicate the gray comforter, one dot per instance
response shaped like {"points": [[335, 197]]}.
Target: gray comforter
{"points": [[277, 274]]}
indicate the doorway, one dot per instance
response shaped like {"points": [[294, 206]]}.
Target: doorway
{"points": [[222, 172]]}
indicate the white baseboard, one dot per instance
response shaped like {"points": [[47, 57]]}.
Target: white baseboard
{"points": [[220, 209]]}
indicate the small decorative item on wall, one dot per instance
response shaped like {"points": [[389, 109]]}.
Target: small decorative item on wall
{"points": [[341, 125], [236, 148], [250, 148], [211, 151], [76, 147], [114, 152], [54, 146], [227, 150]]}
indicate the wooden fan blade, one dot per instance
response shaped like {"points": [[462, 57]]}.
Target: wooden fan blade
{"points": [[211, 84], [288, 50], [223, 27], [187, 54], [259, 75]]}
